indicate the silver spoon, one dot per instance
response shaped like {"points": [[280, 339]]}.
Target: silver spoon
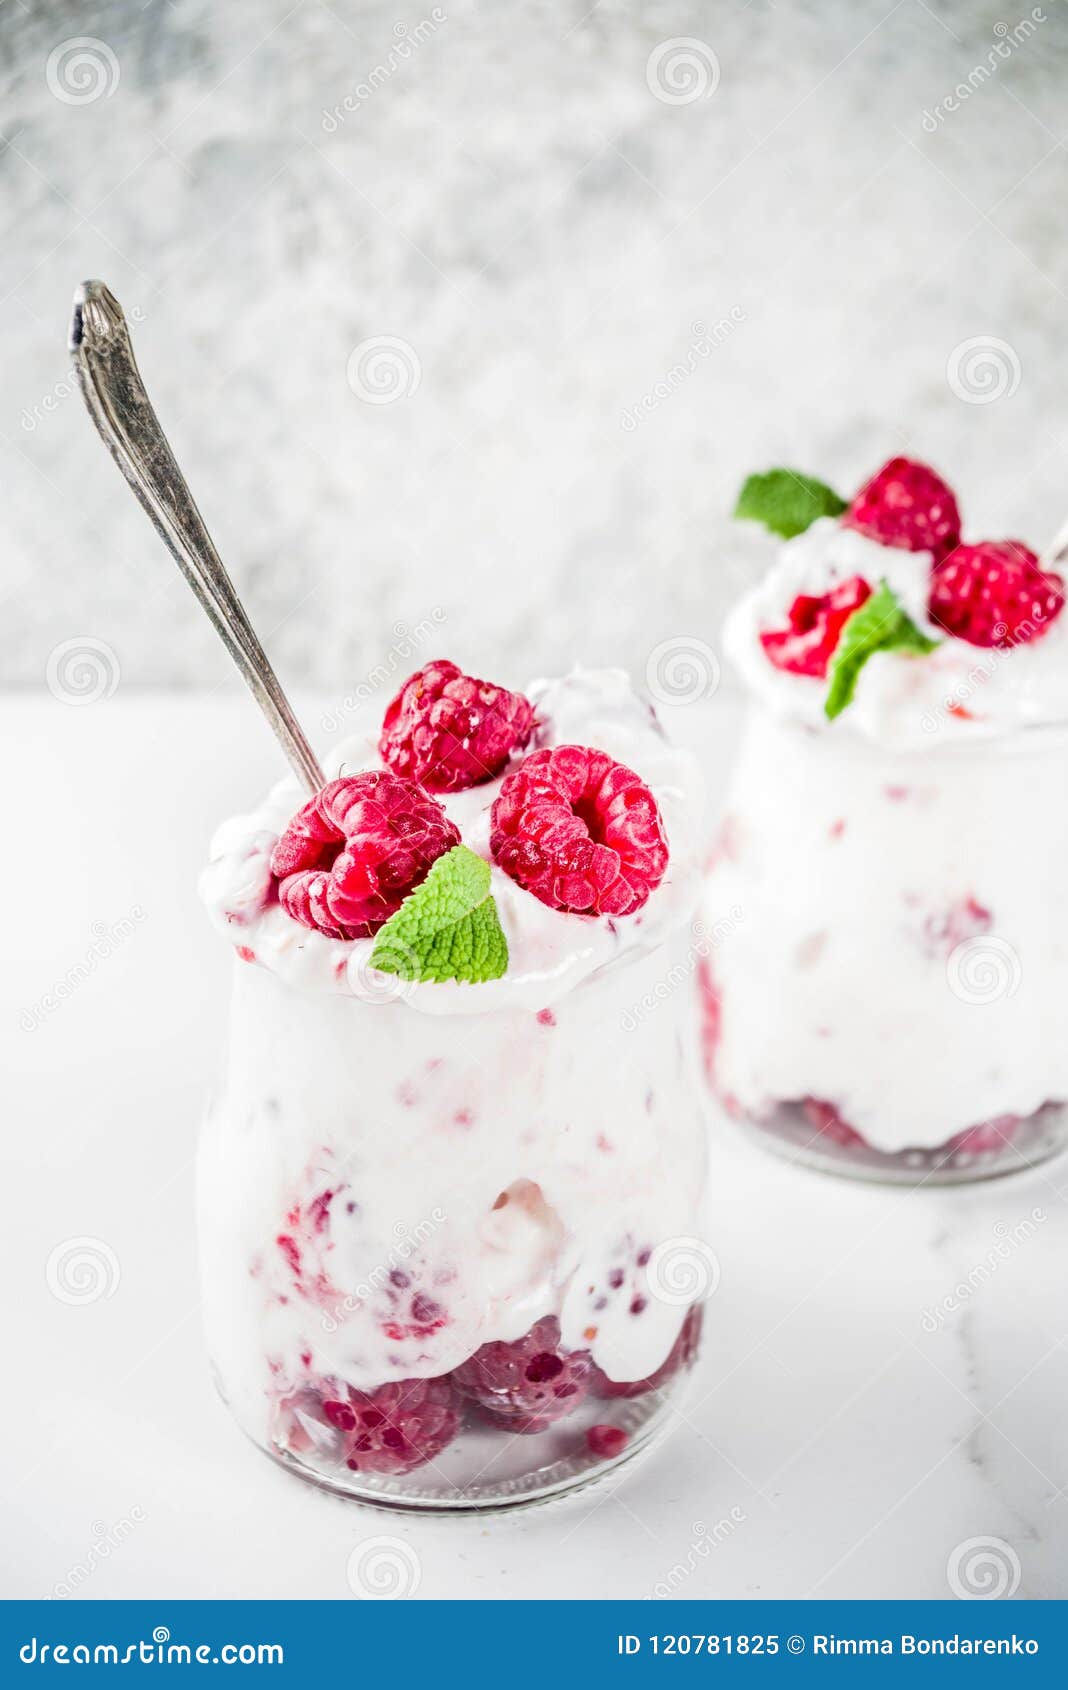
{"points": [[111, 385]]}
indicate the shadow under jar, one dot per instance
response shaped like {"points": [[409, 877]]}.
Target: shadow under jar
{"points": [[442, 1252], [886, 987]]}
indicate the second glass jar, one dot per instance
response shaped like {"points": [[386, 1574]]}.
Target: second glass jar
{"points": [[884, 994]]}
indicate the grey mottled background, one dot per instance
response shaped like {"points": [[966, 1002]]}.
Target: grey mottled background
{"points": [[509, 198]]}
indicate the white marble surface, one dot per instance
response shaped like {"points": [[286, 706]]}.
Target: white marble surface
{"points": [[849, 1436], [544, 233]]}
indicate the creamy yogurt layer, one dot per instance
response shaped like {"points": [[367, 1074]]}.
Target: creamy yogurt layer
{"points": [[898, 957], [382, 1192]]}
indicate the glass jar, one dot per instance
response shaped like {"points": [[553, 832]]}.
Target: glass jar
{"points": [[451, 1260], [885, 989]]}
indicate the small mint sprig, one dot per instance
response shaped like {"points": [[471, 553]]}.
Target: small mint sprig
{"points": [[448, 928], [880, 624], [786, 501]]}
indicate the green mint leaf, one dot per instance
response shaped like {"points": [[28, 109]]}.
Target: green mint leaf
{"points": [[448, 928], [879, 625], [786, 501]]}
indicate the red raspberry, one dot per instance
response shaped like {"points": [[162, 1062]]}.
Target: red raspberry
{"points": [[400, 1426], [450, 731], [909, 506], [527, 1385], [828, 1120], [994, 594], [711, 1005], [945, 930], [995, 1134], [682, 1354], [305, 1245], [349, 858], [807, 645], [580, 831], [606, 1441]]}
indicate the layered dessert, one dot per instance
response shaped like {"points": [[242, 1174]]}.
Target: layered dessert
{"points": [[438, 1187], [891, 1000]]}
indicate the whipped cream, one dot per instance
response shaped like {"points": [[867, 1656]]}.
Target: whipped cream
{"points": [[550, 951], [958, 692]]}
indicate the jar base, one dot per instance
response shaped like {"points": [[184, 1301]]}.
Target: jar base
{"points": [[439, 1488], [788, 1132]]}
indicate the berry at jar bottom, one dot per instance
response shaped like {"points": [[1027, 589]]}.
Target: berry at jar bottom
{"points": [[395, 1429], [528, 1384]]}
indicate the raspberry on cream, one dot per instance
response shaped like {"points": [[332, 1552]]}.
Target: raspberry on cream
{"points": [[347, 860], [986, 650], [995, 594], [580, 831], [449, 731], [908, 505]]}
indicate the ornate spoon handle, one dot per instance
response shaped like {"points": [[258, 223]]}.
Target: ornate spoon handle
{"points": [[111, 385]]}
